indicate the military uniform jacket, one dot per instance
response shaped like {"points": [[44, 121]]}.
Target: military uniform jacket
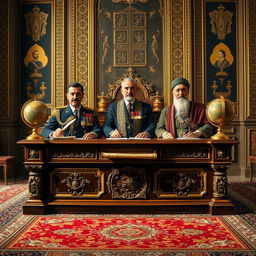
{"points": [[87, 122]]}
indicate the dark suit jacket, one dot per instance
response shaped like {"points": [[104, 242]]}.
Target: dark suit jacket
{"points": [[79, 131], [148, 122]]}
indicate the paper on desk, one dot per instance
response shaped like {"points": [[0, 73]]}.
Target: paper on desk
{"points": [[68, 124]]}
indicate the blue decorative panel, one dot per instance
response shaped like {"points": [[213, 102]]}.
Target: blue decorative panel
{"points": [[37, 51], [221, 50], [129, 36]]}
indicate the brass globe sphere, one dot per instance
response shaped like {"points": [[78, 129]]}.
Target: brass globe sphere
{"points": [[34, 114], [220, 112]]}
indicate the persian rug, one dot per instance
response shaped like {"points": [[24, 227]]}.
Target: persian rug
{"points": [[124, 235]]}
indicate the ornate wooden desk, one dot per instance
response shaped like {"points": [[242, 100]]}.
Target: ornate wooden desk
{"points": [[129, 176]]}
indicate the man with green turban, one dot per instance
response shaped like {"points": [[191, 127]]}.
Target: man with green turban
{"points": [[184, 118]]}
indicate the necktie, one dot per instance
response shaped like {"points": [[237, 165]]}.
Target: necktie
{"points": [[129, 108], [76, 114]]}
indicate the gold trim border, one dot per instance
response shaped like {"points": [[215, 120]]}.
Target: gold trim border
{"points": [[59, 52], [250, 51]]}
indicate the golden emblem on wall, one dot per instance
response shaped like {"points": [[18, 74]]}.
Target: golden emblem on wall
{"points": [[36, 22], [221, 21]]}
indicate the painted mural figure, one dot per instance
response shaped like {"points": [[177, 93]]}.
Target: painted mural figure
{"points": [[35, 65], [154, 47], [139, 37], [138, 20], [121, 38], [121, 20], [222, 63], [105, 49]]}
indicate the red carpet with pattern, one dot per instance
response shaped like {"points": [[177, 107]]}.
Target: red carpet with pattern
{"points": [[98, 235]]}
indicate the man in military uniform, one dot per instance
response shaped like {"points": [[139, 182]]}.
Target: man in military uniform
{"points": [[184, 118], [129, 117], [84, 126]]}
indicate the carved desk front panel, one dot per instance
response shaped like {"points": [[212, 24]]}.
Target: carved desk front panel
{"points": [[106, 175]]}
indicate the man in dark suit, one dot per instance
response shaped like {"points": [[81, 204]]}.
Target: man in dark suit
{"points": [[129, 117], [85, 125]]}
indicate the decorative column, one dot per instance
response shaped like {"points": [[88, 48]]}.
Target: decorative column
{"points": [[35, 185], [220, 183]]}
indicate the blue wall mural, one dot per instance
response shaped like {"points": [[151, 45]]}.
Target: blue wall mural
{"points": [[36, 51], [129, 35], [221, 56]]}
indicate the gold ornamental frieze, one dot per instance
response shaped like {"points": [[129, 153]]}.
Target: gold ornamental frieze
{"points": [[185, 153], [72, 153], [129, 1]]}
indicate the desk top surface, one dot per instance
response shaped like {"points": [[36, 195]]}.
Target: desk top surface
{"points": [[128, 141]]}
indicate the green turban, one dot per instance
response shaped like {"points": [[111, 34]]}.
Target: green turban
{"points": [[178, 81]]}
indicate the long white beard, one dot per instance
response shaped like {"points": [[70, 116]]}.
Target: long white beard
{"points": [[181, 106]]}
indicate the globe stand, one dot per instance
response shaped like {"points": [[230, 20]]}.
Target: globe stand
{"points": [[220, 112], [35, 135], [220, 135], [34, 114]]}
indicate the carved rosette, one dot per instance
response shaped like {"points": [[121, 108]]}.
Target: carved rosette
{"points": [[181, 184], [75, 183], [33, 154], [220, 181], [222, 154], [127, 183]]}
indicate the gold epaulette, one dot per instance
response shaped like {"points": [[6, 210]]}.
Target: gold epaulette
{"points": [[65, 106], [56, 113]]}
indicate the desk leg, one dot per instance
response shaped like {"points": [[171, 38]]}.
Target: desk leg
{"points": [[219, 204], [35, 204]]}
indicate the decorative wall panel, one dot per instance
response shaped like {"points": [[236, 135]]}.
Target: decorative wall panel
{"points": [[4, 138], [251, 92], [221, 49], [4, 62], [198, 85], [251, 142], [177, 38], [37, 51], [129, 35], [60, 74], [82, 46]]}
